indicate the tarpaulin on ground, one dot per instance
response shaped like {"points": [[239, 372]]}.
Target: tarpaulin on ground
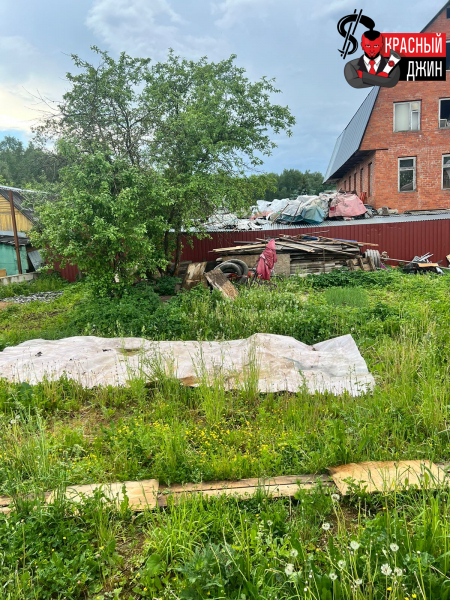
{"points": [[278, 363], [347, 205]]}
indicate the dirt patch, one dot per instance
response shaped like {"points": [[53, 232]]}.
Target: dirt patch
{"points": [[4, 305]]}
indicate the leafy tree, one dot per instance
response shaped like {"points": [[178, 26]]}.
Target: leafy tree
{"points": [[193, 131], [28, 166], [292, 183]]}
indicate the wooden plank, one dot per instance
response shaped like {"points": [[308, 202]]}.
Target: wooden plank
{"points": [[386, 476], [141, 494], [2, 272], [294, 246], [219, 281], [234, 248], [194, 275], [276, 487]]}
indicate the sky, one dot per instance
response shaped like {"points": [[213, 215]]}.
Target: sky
{"points": [[294, 41]]}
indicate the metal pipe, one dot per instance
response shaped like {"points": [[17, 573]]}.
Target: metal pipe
{"points": [[16, 237]]}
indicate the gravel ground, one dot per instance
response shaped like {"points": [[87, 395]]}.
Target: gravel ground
{"points": [[40, 297]]}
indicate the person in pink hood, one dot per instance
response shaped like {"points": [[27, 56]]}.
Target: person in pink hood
{"points": [[267, 261]]}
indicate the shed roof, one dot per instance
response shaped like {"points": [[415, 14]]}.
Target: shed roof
{"points": [[19, 201], [349, 141]]}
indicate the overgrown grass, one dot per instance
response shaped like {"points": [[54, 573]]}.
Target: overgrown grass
{"points": [[57, 433]]}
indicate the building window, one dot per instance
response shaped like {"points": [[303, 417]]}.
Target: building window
{"points": [[406, 116], [407, 174], [369, 180], [446, 172], [361, 179], [444, 113], [448, 13], [354, 182], [448, 56]]}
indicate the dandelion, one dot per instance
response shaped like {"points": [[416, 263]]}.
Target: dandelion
{"points": [[386, 569], [341, 564], [289, 569], [326, 526], [393, 547], [269, 523], [389, 589], [398, 571], [333, 576], [354, 545], [335, 497], [294, 553], [358, 581]]}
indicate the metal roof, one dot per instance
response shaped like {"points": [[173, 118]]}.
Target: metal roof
{"points": [[19, 200], [403, 218], [349, 141]]}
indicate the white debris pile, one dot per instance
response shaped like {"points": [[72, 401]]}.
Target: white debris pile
{"points": [[279, 363]]}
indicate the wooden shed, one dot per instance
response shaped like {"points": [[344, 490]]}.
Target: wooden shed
{"points": [[24, 216]]}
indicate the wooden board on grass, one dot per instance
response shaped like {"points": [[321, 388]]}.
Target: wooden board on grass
{"points": [[219, 281], [141, 494], [194, 275], [387, 476], [276, 487]]}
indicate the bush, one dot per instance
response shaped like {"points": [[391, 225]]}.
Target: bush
{"points": [[112, 316]]}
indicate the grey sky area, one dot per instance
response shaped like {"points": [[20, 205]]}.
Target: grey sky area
{"points": [[294, 41]]}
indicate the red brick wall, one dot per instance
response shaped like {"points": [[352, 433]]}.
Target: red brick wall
{"points": [[427, 145], [364, 165]]}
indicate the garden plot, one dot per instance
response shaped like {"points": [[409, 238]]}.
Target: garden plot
{"points": [[273, 363]]}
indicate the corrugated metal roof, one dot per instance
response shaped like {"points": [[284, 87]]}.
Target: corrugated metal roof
{"points": [[19, 200], [437, 216], [350, 139]]}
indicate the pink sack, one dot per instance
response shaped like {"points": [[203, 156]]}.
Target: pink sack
{"points": [[267, 261], [347, 205]]}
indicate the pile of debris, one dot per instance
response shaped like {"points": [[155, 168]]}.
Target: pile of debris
{"points": [[311, 210], [305, 254]]}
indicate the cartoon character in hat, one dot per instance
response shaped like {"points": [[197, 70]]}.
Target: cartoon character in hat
{"points": [[372, 68]]}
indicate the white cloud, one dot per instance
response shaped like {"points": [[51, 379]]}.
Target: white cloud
{"points": [[26, 77], [234, 12], [332, 8], [148, 27]]}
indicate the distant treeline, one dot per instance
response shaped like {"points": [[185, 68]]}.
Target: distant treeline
{"points": [[292, 183], [28, 165]]}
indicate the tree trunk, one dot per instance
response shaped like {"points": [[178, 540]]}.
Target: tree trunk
{"points": [[178, 249]]}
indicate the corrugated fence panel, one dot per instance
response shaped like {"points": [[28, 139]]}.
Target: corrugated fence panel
{"points": [[400, 240], [69, 272]]}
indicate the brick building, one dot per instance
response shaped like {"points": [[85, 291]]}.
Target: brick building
{"points": [[397, 145]]}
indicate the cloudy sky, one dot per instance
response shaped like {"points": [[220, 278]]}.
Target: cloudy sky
{"points": [[295, 41]]}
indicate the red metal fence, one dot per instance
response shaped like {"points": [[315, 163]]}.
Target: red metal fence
{"points": [[402, 240]]}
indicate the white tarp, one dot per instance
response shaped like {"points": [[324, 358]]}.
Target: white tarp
{"points": [[279, 363]]}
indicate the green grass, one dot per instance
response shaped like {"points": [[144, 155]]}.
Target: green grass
{"points": [[56, 433]]}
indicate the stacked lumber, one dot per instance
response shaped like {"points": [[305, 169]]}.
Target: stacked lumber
{"points": [[308, 253]]}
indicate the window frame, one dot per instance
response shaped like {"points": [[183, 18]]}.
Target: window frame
{"points": [[447, 44], [414, 168], [369, 180], [442, 173], [439, 113], [410, 113]]}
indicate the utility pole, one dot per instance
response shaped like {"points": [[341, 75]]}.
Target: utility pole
{"points": [[16, 237]]}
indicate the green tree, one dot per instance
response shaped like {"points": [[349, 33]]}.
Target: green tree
{"points": [[196, 130], [292, 183], [28, 166]]}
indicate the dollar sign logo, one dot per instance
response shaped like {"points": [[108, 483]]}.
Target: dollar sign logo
{"points": [[350, 44]]}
